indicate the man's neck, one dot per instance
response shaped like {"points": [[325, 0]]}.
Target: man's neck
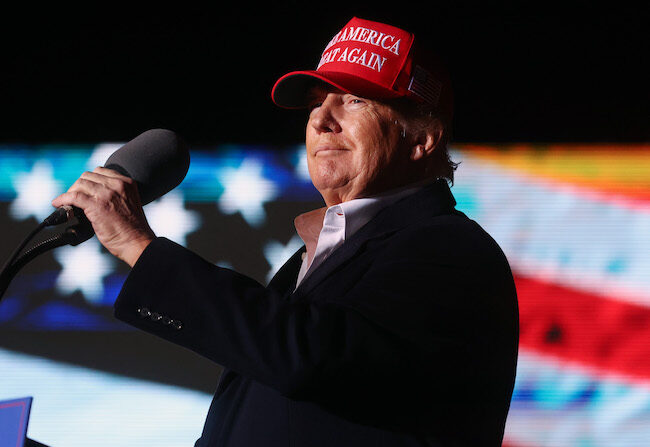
{"points": [[340, 195]]}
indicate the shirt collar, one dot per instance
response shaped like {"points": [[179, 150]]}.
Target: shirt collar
{"points": [[356, 213]]}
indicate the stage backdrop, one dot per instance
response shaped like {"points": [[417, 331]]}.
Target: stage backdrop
{"points": [[573, 220]]}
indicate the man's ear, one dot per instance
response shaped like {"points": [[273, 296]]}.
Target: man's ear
{"points": [[426, 141]]}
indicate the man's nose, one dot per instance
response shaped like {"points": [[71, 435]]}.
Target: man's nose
{"points": [[323, 118]]}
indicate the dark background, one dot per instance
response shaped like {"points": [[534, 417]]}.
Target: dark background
{"points": [[570, 72]]}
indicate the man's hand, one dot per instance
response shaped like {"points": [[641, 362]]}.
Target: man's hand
{"points": [[112, 204]]}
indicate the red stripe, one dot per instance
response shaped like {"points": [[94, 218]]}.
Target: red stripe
{"points": [[600, 332]]}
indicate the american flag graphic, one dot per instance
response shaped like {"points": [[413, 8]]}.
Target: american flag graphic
{"points": [[425, 85], [573, 220]]}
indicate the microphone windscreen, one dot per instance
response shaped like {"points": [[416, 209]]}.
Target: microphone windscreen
{"points": [[157, 160]]}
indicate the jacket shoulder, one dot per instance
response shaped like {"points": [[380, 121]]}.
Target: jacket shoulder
{"points": [[447, 238]]}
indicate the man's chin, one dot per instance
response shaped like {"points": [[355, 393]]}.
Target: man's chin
{"points": [[332, 189]]}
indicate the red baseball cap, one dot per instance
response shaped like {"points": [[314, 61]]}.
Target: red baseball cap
{"points": [[373, 60]]}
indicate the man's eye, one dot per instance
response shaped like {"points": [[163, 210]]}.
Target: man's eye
{"points": [[356, 101]]}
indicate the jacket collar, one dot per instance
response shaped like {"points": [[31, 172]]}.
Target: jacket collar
{"points": [[432, 200]]}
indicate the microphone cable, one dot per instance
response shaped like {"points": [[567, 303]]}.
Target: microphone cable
{"points": [[73, 235]]}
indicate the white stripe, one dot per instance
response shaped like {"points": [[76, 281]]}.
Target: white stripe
{"points": [[557, 413], [76, 406], [558, 234]]}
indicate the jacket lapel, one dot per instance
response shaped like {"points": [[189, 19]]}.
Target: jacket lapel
{"points": [[284, 281], [432, 200]]}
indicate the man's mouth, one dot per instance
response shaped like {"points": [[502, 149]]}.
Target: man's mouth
{"points": [[329, 150]]}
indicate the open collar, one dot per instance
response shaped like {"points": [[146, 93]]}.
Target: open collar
{"points": [[432, 200]]}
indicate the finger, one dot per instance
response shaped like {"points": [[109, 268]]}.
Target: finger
{"points": [[112, 182], [92, 175], [73, 198], [99, 178], [89, 186], [111, 173], [107, 176], [122, 184]]}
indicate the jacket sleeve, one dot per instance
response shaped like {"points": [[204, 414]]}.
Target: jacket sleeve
{"points": [[347, 347]]}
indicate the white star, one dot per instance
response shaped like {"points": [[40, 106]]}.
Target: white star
{"points": [[246, 191], [277, 254], [168, 217], [36, 190], [84, 267], [101, 154]]}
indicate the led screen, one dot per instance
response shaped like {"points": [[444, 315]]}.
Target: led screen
{"points": [[573, 220]]}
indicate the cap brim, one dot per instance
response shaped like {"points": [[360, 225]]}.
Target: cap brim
{"points": [[292, 90]]}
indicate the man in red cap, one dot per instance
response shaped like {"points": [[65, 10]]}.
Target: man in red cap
{"points": [[395, 325]]}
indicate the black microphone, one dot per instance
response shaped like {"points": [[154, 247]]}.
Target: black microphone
{"points": [[157, 160]]}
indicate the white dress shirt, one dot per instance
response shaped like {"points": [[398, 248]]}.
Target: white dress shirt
{"points": [[339, 222]]}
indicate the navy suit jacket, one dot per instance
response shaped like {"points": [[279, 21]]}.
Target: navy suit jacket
{"points": [[406, 335]]}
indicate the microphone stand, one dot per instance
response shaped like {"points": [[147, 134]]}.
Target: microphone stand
{"points": [[73, 235]]}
